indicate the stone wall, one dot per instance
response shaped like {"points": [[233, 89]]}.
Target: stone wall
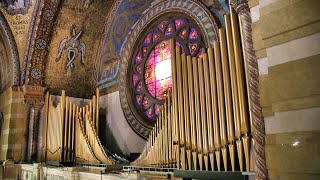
{"points": [[13, 126], [286, 38], [127, 139]]}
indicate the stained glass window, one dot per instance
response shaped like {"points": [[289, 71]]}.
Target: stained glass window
{"points": [[151, 62]]}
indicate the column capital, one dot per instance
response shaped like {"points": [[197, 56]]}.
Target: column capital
{"points": [[33, 95], [240, 5]]}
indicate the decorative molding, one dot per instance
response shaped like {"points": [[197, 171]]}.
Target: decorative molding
{"points": [[194, 9], [33, 95], [242, 8], [29, 41], [39, 37]]}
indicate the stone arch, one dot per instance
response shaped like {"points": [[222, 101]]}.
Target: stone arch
{"points": [[10, 71]]}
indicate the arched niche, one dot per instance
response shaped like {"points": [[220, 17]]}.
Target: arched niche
{"points": [[9, 59]]}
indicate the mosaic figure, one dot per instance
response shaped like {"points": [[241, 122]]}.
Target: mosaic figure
{"points": [[16, 6], [87, 3], [73, 46]]}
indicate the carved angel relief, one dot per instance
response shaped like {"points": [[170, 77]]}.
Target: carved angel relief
{"points": [[73, 46]]}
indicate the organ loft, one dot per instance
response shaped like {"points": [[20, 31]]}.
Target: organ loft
{"points": [[159, 89]]}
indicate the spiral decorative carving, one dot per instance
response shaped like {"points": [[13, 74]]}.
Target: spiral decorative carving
{"points": [[242, 8]]}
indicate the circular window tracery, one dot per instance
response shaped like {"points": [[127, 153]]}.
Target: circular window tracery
{"points": [[150, 69]]}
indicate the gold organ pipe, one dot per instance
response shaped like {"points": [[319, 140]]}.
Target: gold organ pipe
{"points": [[77, 131], [45, 126], [169, 129], [163, 135], [185, 107], [233, 77], [158, 141], [226, 84], [208, 107], [249, 101], [203, 114], [62, 105], [228, 101], [246, 75], [197, 106], [175, 101], [239, 71], [241, 87], [69, 132], [214, 105], [97, 110], [167, 142], [73, 131], [221, 105], [192, 110], [159, 138], [65, 127], [180, 106], [94, 111]]}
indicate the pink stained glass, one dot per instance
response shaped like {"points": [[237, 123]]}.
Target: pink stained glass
{"points": [[135, 79], [192, 48], [157, 109], [150, 61], [139, 87], [162, 51], [155, 87], [156, 36], [145, 101], [162, 88], [169, 30], [162, 25], [139, 68], [178, 44], [149, 112], [179, 23], [152, 89], [138, 57], [148, 39], [193, 33], [151, 80], [149, 76], [145, 50], [139, 99], [183, 34], [200, 53]]}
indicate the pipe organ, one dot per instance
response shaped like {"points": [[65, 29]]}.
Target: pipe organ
{"points": [[70, 132], [205, 121]]}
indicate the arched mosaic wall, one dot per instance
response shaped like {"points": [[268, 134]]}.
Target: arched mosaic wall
{"points": [[194, 9], [10, 66]]}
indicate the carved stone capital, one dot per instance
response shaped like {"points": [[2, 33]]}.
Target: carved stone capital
{"points": [[240, 5], [33, 96]]}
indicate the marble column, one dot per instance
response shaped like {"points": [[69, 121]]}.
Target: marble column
{"points": [[33, 100], [243, 10]]}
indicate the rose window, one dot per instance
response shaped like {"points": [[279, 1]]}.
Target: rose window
{"points": [[150, 72]]}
